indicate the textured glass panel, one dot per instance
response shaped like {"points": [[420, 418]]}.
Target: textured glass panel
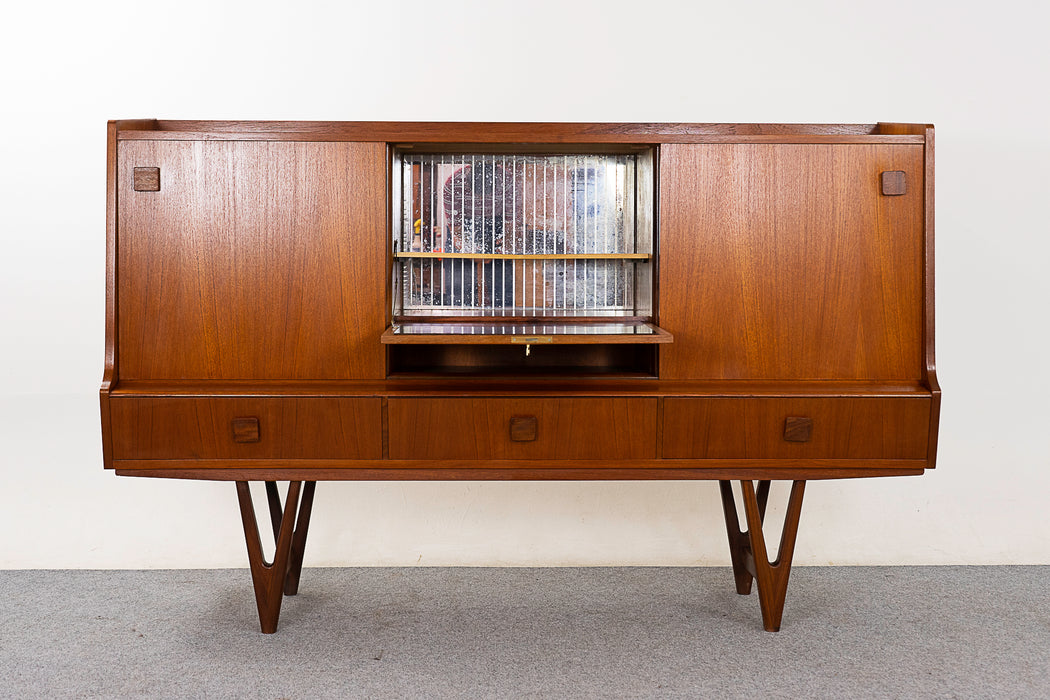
{"points": [[517, 205]]}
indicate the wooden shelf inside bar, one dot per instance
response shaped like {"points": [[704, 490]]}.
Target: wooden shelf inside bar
{"points": [[560, 331], [523, 256]]}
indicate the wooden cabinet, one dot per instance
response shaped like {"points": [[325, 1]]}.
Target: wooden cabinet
{"points": [[310, 301]]}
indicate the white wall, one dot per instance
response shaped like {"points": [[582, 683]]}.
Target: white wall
{"points": [[978, 71]]}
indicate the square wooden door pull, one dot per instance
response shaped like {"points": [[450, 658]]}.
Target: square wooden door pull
{"points": [[523, 428], [894, 183], [245, 429], [147, 179], [798, 429]]}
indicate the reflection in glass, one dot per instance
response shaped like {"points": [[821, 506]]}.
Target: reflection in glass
{"points": [[517, 205]]}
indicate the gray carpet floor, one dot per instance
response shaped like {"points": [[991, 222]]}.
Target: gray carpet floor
{"points": [[848, 632]]}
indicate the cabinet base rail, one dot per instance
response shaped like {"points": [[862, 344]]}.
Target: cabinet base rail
{"points": [[747, 549]]}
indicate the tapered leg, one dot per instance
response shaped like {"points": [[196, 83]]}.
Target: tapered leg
{"points": [[272, 579], [739, 544], [748, 549], [302, 524], [273, 500]]}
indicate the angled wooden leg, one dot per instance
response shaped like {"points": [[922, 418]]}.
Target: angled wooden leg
{"points": [[273, 500], [739, 544], [302, 524], [269, 578], [771, 577]]}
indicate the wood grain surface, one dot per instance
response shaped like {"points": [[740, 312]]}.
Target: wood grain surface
{"points": [[524, 386], [930, 368], [612, 428], [580, 470], [204, 428], [255, 261], [785, 261], [842, 428]]}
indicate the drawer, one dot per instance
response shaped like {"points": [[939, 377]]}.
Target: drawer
{"points": [[246, 428], [784, 428], [525, 428]]}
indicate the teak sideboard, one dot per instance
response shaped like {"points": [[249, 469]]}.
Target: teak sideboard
{"points": [[313, 301]]}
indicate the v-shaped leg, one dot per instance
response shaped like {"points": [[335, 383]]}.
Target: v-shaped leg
{"points": [[273, 580], [748, 549], [739, 544], [302, 524]]}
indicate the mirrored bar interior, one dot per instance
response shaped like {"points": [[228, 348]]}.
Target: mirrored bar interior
{"points": [[551, 228]]}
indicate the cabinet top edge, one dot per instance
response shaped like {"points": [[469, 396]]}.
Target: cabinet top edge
{"points": [[525, 132]]}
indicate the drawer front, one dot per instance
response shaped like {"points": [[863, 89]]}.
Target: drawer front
{"points": [[527, 428], [801, 428], [246, 428]]}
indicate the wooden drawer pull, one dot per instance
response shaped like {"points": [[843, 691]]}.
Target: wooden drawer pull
{"points": [[245, 429], [523, 428], [798, 429]]}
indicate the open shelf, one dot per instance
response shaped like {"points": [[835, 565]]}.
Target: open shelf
{"points": [[542, 361]]}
